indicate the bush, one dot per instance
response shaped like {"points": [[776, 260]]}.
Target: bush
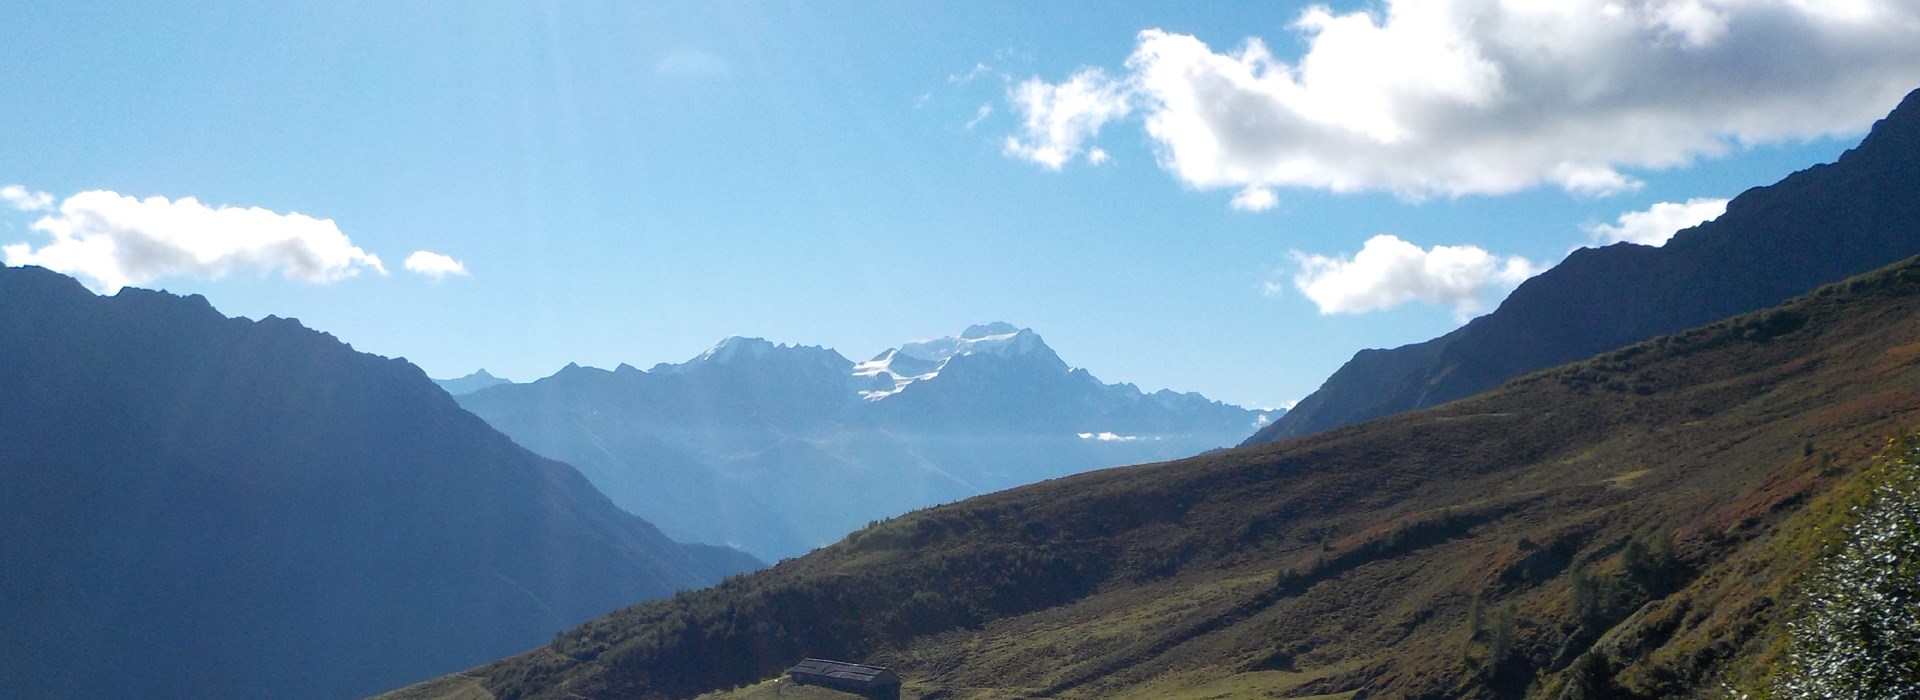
{"points": [[1857, 631]]}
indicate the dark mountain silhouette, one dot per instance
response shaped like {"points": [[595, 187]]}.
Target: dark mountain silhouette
{"points": [[779, 449], [480, 379], [1630, 526], [1814, 227], [193, 506]]}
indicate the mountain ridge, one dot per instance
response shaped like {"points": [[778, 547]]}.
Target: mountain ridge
{"points": [[781, 448], [479, 379], [1816, 226], [193, 505]]}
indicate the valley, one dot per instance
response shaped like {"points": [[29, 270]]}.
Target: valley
{"points": [[1394, 350], [1375, 558], [779, 449]]}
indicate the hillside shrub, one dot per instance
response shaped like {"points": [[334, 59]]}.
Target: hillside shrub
{"points": [[1857, 631]]}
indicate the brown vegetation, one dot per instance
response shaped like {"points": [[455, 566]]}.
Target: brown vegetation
{"points": [[1626, 526]]}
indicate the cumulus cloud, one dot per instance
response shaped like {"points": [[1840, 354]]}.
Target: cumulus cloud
{"points": [[433, 264], [109, 241], [1659, 222], [1457, 97], [1388, 272], [21, 198], [1057, 120]]}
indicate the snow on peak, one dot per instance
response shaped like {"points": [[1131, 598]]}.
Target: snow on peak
{"points": [[987, 329], [994, 338], [740, 353], [734, 348], [923, 359]]}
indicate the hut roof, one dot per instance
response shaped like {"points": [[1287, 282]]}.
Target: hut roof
{"points": [[842, 673]]}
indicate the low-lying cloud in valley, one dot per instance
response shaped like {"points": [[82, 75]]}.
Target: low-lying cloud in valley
{"points": [[1485, 96]]}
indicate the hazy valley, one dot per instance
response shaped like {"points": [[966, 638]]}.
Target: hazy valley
{"points": [[780, 449], [1407, 350], [1631, 525]]}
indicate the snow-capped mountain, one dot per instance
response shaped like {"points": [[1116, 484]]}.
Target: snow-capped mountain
{"points": [[782, 448], [890, 371]]}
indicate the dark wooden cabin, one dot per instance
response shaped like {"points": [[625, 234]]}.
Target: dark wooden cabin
{"points": [[857, 678]]}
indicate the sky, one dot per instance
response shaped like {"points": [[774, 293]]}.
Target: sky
{"points": [[1215, 197]]}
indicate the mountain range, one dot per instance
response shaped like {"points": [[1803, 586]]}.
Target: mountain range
{"points": [[1814, 227], [778, 449], [479, 379], [193, 505], [1630, 526], [1638, 524], [196, 506]]}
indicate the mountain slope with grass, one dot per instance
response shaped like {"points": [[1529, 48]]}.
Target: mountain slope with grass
{"points": [[1626, 526], [1816, 226], [1853, 627], [195, 506]]}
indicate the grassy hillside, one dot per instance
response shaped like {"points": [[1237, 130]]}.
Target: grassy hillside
{"points": [[1626, 526]]}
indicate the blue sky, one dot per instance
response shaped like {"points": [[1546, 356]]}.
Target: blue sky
{"points": [[630, 182]]}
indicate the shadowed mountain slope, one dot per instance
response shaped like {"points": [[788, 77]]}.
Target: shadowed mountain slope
{"points": [[1625, 526], [194, 506], [1816, 226]]}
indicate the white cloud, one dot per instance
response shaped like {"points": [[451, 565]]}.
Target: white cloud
{"points": [[1108, 437], [980, 116], [979, 69], [1456, 97], [1059, 119], [1659, 222], [1388, 272], [110, 240], [20, 198], [1255, 199], [433, 264]]}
